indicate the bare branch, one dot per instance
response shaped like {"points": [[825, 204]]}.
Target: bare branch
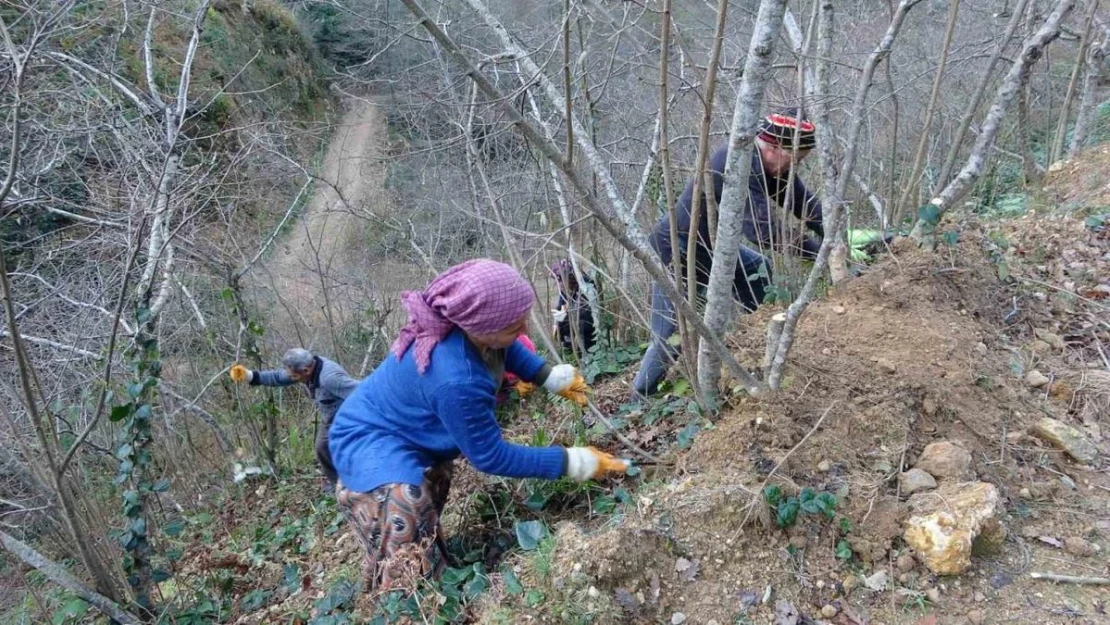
{"points": [[57, 574], [56, 345], [734, 195], [148, 59], [1011, 84]]}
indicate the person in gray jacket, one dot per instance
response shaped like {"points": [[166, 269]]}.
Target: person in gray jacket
{"points": [[326, 381]]}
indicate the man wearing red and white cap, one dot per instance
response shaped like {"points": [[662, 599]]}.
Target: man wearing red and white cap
{"points": [[770, 180]]}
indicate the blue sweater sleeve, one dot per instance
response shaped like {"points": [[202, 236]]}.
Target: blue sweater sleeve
{"points": [[271, 377], [467, 413], [525, 364]]}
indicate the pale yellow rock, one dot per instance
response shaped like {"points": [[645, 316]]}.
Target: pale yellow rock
{"points": [[949, 524], [1066, 438], [945, 459], [1055, 341], [1036, 379]]}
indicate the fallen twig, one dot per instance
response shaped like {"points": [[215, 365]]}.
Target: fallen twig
{"points": [[1071, 579], [621, 437], [1063, 290], [759, 492]]}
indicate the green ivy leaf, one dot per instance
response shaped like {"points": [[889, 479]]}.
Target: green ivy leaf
{"points": [[843, 550], [477, 584], [533, 598], [254, 599], [772, 494], [632, 470], [604, 505], [536, 501], [138, 526], [119, 413], [71, 611], [160, 575], [161, 485], [929, 213], [845, 525], [828, 504], [143, 412], [134, 390], [529, 534], [686, 436], [787, 513], [512, 583], [342, 593]]}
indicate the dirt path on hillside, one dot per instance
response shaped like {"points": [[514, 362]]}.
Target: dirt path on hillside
{"points": [[319, 277]]}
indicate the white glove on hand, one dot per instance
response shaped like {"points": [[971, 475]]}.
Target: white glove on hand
{"points": [[560, 315], [560, 378], [584, 463]]}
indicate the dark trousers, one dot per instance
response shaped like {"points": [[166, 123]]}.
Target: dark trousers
{"points": [[748, 289], [323, 454]]}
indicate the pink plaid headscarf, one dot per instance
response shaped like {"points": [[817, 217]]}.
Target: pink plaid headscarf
{"points": [[480, 296]]}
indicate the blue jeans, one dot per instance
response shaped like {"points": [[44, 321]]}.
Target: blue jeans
{"points": [[748, 289]]}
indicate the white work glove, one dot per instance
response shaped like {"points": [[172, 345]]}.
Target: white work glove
{"points": [[584, 463], [560, 315], [565, 381]]}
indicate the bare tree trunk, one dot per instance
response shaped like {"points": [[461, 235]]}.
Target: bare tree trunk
{"points": [[1032, 50], [835, 203], [823, 18], [913, 188], [977, 98], [57, 574], [1060, 136], [668, 186], [838, 257], [703, 153], [734, 196], [1030, 169], [1092, 75], [628, 233]]}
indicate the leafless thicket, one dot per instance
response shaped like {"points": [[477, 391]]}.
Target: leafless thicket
{"points": [[139, 209], [903, 117]]}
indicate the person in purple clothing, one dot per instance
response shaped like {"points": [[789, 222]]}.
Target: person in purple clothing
{"points": [[395, 437]]}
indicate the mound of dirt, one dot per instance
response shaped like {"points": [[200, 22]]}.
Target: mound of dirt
{"points": [[926, 347]]}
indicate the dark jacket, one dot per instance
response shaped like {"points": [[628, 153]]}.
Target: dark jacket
{"points": [[760, 225], [329, 386], [580, 308]]}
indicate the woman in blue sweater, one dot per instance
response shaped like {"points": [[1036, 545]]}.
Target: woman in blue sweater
{"points": [[395, 437]]}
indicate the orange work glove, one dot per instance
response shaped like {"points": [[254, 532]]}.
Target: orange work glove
{"points": [[584, 463], [524, 389], [565, 381], [239, 373]]}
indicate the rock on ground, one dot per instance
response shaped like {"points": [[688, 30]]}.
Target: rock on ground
{"points": [[945, 459], [915, 480], [949, 523], [1066, 438]]}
